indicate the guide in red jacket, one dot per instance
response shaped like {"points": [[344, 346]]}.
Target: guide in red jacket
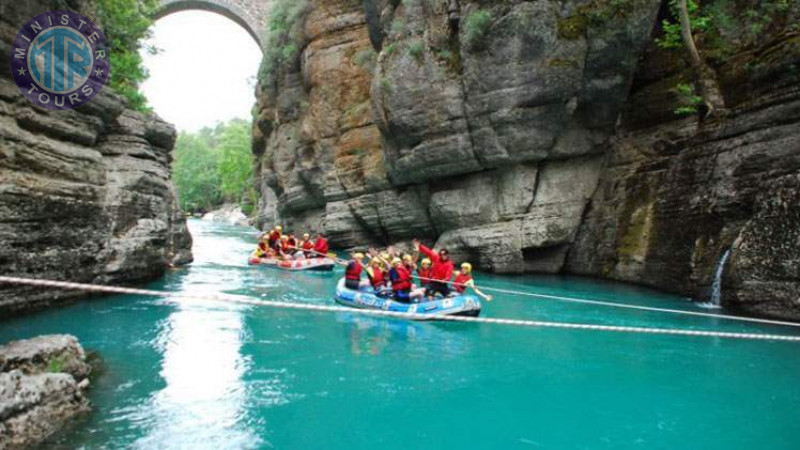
{"points": [[321, 246], [441, 271]]}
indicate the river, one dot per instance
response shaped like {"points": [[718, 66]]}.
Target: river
{"points": [[196, 374]]}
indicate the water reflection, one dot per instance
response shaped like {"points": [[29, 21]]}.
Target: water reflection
{"points": [[203, 401], [373, 336], [203, 404]]}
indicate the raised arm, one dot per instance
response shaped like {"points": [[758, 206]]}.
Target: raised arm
{"points": [[430, 254]]}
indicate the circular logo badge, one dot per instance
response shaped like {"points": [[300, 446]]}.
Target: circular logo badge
{"points": [[60, 60]]}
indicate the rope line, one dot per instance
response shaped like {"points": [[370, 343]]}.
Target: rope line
{"points": [[331, 308], [636, 307], [601, 302]]}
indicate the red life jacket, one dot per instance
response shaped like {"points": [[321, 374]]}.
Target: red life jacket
{"points": [[353, 271], [321, 246], [425, 274], [273, 237], [307, 245], [461, 279], [377, 279], [401, 279], [263, 246], [286, 247]]}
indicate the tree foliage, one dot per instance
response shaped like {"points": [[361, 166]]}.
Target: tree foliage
{"points": [[476, 27], [214, 166], [235, 160], [712, 31], [126, 23], [724, 27], [284, 37]]}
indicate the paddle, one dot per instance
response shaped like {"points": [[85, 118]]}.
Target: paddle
{"points": [[329, 255]]}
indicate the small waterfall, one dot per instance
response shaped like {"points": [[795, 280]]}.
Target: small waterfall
{"points": [[716, 286]]}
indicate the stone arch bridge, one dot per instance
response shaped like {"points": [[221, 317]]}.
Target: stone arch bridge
{"points": [[250, 14]]}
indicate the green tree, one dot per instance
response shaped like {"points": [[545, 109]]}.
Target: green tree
{"points": [[215, 165], [235, 160], [126, 23], [195, 173], [710, 32]]}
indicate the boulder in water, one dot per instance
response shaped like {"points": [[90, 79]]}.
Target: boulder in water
{"points": [[42, 385], [231, 214]]}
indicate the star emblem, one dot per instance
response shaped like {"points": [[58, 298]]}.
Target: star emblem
{"points": [[98, 72], [21, 71]]}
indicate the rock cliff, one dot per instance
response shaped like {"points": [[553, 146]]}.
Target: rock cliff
{"points": [[85, 195], [675, 195], [534, 137], [397, 120], [42, 386]]}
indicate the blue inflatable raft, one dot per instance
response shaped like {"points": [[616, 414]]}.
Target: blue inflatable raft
{"points": [[461, 305]]}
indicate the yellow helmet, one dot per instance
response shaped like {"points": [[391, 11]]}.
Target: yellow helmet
{"points": [[426, 262], [306, 236], [375, 262], [278, 228], [397, 261], [407, 258], [466, 267], [358, 255]]}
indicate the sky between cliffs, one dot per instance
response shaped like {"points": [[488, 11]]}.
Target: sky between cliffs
{"points": [[204, 71]]}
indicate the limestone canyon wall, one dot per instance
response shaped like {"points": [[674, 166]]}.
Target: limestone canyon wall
{"points": [[543, 141], [675, 195], [472, 143], [85, 195]]}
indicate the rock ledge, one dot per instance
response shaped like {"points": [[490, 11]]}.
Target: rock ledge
{"points": [[42, 386]]}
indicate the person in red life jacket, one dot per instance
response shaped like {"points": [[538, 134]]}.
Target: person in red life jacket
{"points": [[307, 246], [378, 278], [464, 280], [321, 246], [401, 281], [352, 272], [274, 236], [285, 250], [263, 247], [441, 270], [409, 263], [424, 273], [292, 241]]}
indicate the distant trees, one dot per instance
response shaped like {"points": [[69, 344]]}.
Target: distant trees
{"points": [[215, 166]]}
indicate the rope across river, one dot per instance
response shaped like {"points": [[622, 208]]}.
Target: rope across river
{"points": [[330, 308], [606, 303]]}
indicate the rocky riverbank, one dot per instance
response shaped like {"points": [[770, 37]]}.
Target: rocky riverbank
{"points": [[536, 137], [230, 213], [43, 382], [85, 195]]}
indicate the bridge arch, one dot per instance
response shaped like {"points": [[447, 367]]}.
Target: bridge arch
{"points": [[249, 14]]}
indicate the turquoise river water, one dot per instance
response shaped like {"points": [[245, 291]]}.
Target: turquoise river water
{"points": [[195, 374]]}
